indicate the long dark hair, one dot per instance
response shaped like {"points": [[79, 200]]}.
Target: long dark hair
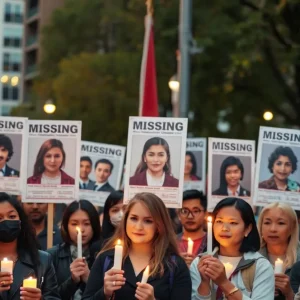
{"points": [[26, 241], [39, 167], [252, 241], [91, 211], [194, 163], [107, 228], [151, 142]]}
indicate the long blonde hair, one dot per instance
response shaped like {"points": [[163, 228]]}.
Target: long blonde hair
{"points": [[164, 243], [293, 241]]}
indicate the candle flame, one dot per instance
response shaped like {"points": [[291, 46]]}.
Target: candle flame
{"points": [[30, 278], [278, 260], [78, 229], [119, 242], [5, 259], [189, 239], [209, 219]]}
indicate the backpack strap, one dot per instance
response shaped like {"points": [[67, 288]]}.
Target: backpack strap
{"points": [[106, 264], [248, 275]]}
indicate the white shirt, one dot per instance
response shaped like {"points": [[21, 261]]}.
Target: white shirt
{"points": [[83, 182], [99, 185], [230, 263], [237, 192], [153, 181], [51, 180]]}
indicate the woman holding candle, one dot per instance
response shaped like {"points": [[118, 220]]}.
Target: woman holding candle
{"points": [[72, 262], [18, 244], [278, 228], [146, 241], [235, 234]]}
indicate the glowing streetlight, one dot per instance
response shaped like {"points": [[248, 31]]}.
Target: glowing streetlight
{"points": [[14, 80], [174, 84], [49, 107], [268, 115], [4, 79]]}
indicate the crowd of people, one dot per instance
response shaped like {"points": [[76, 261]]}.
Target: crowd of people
{"points": [[241, 266]]}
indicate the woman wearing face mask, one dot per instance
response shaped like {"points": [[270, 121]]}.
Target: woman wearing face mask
{"points": [[72, 272], [18, 244], [112, 214], [147, 240], [278, 228], [236, 235]]}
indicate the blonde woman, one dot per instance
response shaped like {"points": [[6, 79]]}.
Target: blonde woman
{"points": [[278, 229]]}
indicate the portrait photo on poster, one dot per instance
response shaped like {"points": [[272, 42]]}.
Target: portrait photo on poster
{"points": [[51, 160], [193, 165], [155, 161], [231, 174], [279, 168], [10, 154]]}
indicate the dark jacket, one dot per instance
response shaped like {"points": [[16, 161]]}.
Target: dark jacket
{"points": [[104, 188], [181, 286], [62, 260], [11, 172], [42, 237], [223, 192], [141, 179], [65, 179], [46, 278]]}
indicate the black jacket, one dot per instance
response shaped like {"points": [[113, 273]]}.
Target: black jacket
{"points": [[11, 172], [46, 279], [62, 260], [223, 192], [181, 288]]}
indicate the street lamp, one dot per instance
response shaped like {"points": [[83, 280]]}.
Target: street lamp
{"points": [[268, 115], [174, 83], [174, 86], [49, 107]]}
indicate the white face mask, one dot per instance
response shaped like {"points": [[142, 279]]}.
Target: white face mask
{"points": [[115, 219]]}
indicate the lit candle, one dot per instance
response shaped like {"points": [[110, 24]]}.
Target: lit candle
{"points": [[209, 235], [145, 275], [190, 246], [278, 266], [228, 268], [118, 256], [79, 242], [30, 282], [7, 265]]}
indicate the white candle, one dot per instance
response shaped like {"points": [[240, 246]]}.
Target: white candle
{"points": [[228, 269], [7, 265], [79, 242], [145, 275], [30, 282], [209, 235], [278, 266], [190, 246], [118, 256]]}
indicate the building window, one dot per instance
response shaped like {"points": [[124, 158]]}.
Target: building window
{"points": [[12, 62], [6, 110], [13, 13], [10, 92], [12, 37]]}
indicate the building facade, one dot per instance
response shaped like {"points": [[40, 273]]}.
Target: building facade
{"points": [[11, 54]]}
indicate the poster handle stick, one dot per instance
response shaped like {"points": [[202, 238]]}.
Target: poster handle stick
{"points": [[50, 225]]}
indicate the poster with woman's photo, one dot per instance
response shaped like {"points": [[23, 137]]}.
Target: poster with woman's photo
{"points": [[155, 158], [101, 167], [13, 151], [195, 165], [52, 161], [278, 169], [230, 170]]}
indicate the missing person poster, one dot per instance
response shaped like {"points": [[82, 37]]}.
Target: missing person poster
{"points": [[278, 176], [101, 167], [13, 151], [52, 162], [155, 158], [230, 169], [195, 165]]}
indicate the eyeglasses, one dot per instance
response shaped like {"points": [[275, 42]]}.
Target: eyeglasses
{"points": [[186, 212]]}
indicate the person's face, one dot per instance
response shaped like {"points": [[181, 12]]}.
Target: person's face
{"points": [[8, 212], [85, 169], [191, 215], [282, 167], [140, 226], [36, 212], [3, 155], [229, 228], [188, 165], [116, 209], [155, 158], [53, 160], [233, 175], [276, 228], [102, 172], [80, 219]]}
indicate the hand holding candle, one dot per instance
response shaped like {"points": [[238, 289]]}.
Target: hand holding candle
{"points": [[30, 282], [79, 242], [278, 266], [190, 246], [209, 235], [118, 256], [145, 275], [7, 265]]}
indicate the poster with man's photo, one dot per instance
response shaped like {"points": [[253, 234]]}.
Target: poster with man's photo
{"points": [[195, 165], [230, 170], [278, 170], [13, 151], [52, 162], [101, 167], [155, 158]]}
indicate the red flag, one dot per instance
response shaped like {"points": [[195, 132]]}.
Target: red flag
{"points": [[148, 89]]}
